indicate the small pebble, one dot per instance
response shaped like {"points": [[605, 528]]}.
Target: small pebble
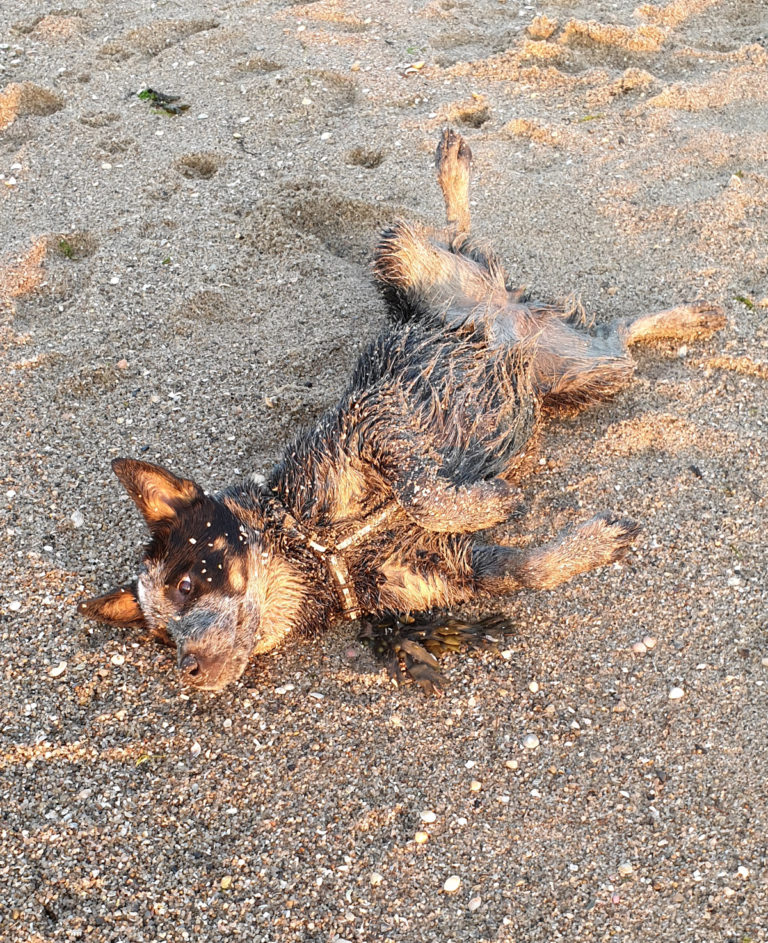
{"points": [[649, 641], [676, 693], [14, 606], [58, 670], [77, 518], [452, 884], [227, 723], [742, 871], [682, 351], [226, 882], [512, 764], [533, 687], [325, 136], [420, 838], [474, 904], [531, 741], [625, 869], [640, 648], [195, 749], [122, 364], [475, 785], [428, 816], [764, 662], [118, 659], [376, 879]]}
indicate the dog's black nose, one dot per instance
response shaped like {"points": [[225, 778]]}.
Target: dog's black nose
{"points": [[189, 666]]}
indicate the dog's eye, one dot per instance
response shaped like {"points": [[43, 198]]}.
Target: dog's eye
{"points": [[185, 586]]}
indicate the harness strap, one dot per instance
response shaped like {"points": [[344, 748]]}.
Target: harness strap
{"points": [[332, 554]]}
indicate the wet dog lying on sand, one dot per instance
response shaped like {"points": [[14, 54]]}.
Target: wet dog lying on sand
{"points": [[376, 509]]}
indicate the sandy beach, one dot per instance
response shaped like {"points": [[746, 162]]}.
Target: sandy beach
{"points": [[191, 285]]}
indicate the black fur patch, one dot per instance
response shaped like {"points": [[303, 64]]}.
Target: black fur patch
{"points": [[204, 542]]}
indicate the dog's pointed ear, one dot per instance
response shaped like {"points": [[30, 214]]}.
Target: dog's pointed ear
{"points": [[157, 493], [120, 607]]}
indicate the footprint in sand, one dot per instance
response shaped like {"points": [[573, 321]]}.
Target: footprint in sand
{"points": [[199, 166], [153, 39], [343, 225]]}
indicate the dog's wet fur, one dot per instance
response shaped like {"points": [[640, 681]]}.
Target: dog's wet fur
{"points": [[377, 508]]}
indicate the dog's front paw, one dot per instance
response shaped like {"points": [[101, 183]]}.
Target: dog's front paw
{"points": [[614, 535]]}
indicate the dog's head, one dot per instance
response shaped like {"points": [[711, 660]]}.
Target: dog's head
{"points": [[209, 583]]}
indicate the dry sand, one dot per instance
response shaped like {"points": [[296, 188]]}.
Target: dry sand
{"points": [[190, 289]]}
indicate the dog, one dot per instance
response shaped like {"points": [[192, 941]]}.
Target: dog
{"points": [[377, 509]]}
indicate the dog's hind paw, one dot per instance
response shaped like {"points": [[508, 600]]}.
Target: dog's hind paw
{"points": [[451, 150], [684, 322]]}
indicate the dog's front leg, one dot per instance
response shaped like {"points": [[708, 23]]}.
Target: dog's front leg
{"points": [[439, 504], [602, 540]]}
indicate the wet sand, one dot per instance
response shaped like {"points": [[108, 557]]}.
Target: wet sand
{"points": [[193, 288]]}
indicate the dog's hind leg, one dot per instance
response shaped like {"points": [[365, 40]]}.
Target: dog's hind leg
{"points": [[429, 271], [573, 367], [453, 160], [597, 542], [685, 322]]}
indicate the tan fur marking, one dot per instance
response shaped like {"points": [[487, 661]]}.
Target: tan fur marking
{"points": [[279, 590], [409, 591], [236, 574]]}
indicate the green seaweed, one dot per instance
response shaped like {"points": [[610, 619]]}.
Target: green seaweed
{"points": [[66, 248], [162, 102]]}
